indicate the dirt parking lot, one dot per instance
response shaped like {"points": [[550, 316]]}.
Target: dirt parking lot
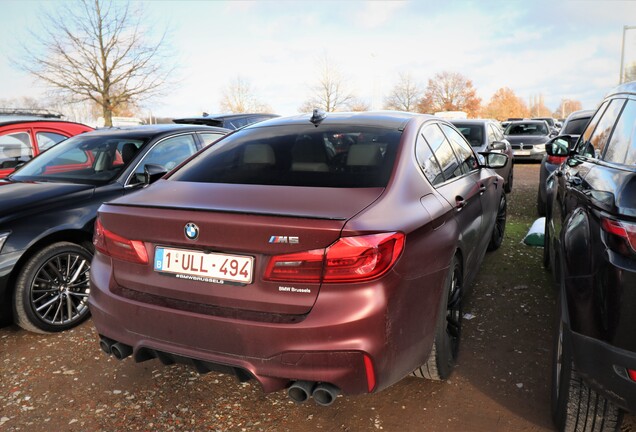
{"points": [[63, 382]]}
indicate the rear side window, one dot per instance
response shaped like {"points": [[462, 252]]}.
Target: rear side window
{"points": [[464, 153], [299, 155], [208, 138], [575, 127], [473, 133], [443, 151], [622, 147], [427, 161], [15, 148], [48, 139], [593, 143]]}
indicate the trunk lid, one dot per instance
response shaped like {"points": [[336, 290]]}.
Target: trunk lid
{"points": [[240, 220]]}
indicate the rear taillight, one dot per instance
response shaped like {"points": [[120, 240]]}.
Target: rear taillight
{"points": [[116, 246], [349, 259], [556, 160], [623, 230]]}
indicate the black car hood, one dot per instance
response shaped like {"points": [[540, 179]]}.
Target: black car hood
{"points": [[19, 199]]}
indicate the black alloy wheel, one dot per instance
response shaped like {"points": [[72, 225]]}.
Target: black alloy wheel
{"points": [[499, 229], [52, 289]]}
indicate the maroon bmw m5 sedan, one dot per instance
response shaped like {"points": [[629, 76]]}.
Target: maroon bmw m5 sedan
{"points": [[321, 253]]}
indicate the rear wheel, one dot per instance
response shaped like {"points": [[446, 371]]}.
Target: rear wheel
{"points": [[540, 203], [508, 185], [499, 229], [575, 406], [445, 347], [546, 245], [51, 292]]}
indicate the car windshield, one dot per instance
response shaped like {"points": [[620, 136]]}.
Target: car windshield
{"points": [[576, 126], [527, 129], [299, 155], [81, 159], [473, 133]]}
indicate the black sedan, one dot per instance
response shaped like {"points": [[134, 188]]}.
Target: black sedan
{"points": [[48, 209]]}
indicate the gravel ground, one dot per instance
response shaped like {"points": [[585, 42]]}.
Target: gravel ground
{"points": [[63, 382]]}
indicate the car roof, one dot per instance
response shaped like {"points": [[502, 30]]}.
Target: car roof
{"points": [[534, 121], [17, 119], [629, 88], [580, 114], [471, 121], [149, 131], [385, 119]]}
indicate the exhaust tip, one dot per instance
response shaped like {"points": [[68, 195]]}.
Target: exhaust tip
{"points": [[121, 351], [325, 394], [106, 344], [300, 391]]}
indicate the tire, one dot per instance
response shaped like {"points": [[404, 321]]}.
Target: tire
{"points": [[498, 231], [445, 348], [540, 204], [575, 406], [51, 292], [508, 185]]}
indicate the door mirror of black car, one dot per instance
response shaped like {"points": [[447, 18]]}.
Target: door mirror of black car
{"points": [[153, 172], [559, 146], [495, 160], [498, 145]]}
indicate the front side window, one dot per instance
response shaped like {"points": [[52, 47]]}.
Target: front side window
{"points": [[47, 140], [168, 153], [594, 146], [15, 148], [341, 156], [622, 147]]}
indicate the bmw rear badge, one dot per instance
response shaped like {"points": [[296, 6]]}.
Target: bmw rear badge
{"points": [[191, 231]]}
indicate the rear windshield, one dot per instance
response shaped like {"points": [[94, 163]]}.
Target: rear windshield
{"points": [[473, 133], [298, 155], [527, 129], [575, 127]]}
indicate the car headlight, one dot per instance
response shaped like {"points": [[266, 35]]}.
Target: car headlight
{"points": [[3, 238]]}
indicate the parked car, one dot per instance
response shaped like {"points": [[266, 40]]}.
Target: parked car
{"points": [[486, 136], [228, 121], [553, 124], [26, 133], [573, 126], [48, 209], [528, 138], [591, 248], [307, 252]]}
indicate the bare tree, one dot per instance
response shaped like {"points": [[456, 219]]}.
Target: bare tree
{"points": [[405, 95], [96, 51], [330, 92], [450, 91], [505, 104], [538, 107], [567, 107], [357, 104], [239, 97]]}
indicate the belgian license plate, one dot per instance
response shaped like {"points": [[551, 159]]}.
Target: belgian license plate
{"points": [[205, 267], [521, 153]]}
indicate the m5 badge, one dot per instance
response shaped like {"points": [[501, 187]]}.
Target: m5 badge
{"points": [[284, 239]]}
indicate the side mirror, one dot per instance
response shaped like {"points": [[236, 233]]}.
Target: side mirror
{"points": [[495, 160], [559, 146], [153, 172], [498, 145]]}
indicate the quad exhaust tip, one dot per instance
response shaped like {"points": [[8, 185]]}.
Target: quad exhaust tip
{"points": [[117, 349], [324, 394]]}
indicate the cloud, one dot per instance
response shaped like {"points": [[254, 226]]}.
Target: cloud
{"points": [[377, 13]]}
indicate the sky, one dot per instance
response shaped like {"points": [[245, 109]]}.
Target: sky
{"points": [[557, 49]]}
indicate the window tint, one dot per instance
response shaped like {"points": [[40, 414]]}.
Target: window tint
{"points": [[461, 148], [537, 128], [298, 155], [443, 151], [473, 133], [593, 122], [575, 127], [622, 147], [48, 139], [595, 145], [209, 138], [427, 162], [168, 153], [15, 148]]}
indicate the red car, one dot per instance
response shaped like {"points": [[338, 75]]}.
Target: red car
{"points": [[24, 135], [323, 254]]}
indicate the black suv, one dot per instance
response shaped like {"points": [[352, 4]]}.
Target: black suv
{"points": [[591, 246]]}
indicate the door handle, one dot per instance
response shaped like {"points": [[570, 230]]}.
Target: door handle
{"points": [[460, 203]]}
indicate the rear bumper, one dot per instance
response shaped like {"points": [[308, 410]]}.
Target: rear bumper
{"points": [[374, 320], [604, 368], [534, 154]]}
